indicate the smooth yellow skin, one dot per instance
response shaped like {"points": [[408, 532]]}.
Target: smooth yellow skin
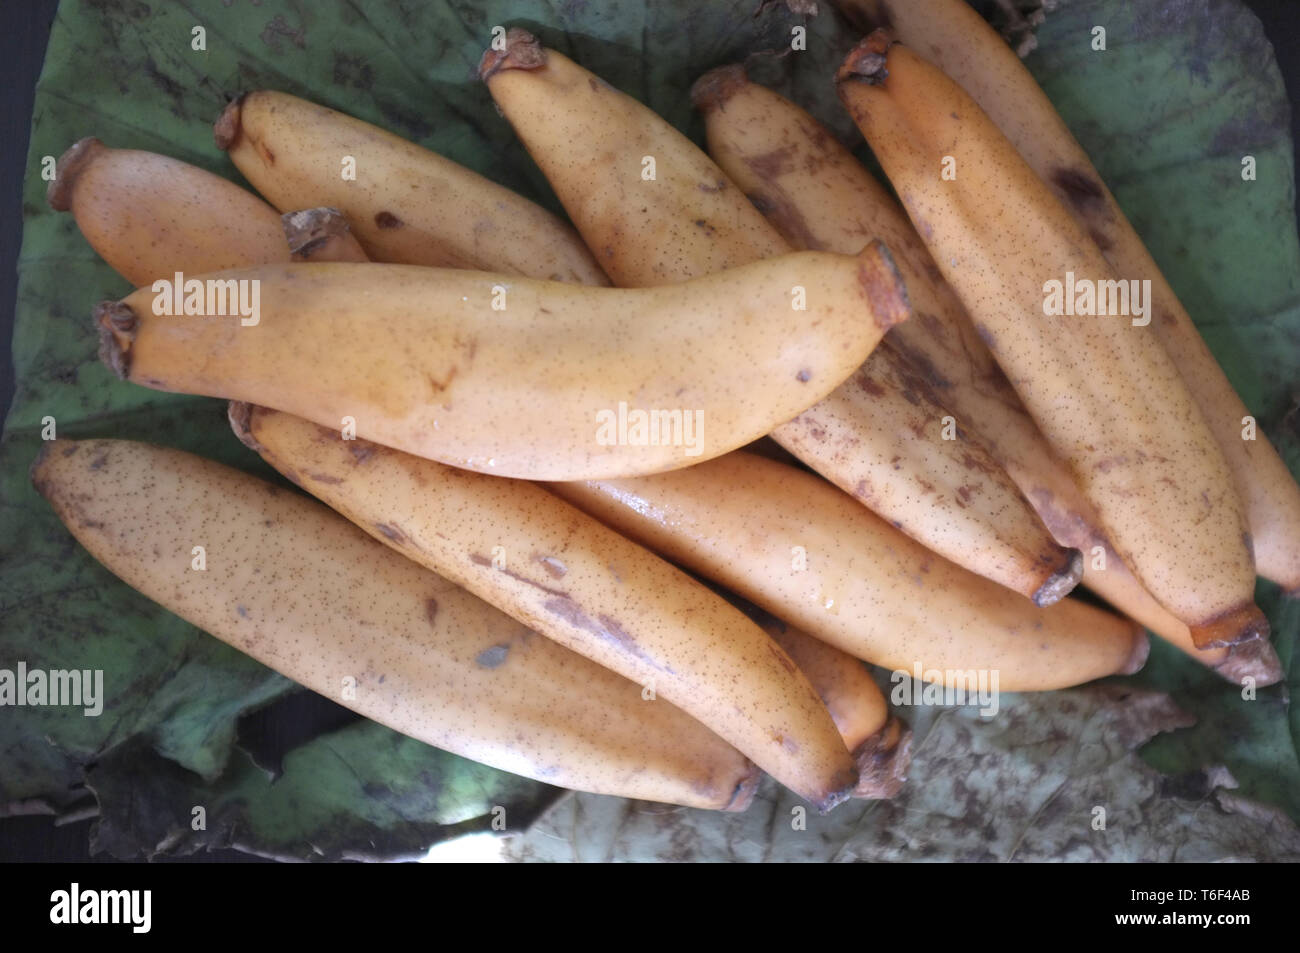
{"points": [[303, 591], [869, 436], [406, 204], [952, 35], [864, 587], [564, 574], [820, 197], [1102, 391], [143, 212], [423, 363]]}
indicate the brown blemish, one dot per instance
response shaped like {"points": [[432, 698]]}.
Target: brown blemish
{"points": [[431, 610], [480, 560], [1079, 188], [869, 386], [439, 386], [804, 375], [779, 654], [786, 219], [1100, 239], [604, 627], [774, 164], [392, 533], [325, 478], [974, 462], [388, 220], [721, 186]]}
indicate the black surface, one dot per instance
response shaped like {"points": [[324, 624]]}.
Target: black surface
{"points": [[22, 49]]}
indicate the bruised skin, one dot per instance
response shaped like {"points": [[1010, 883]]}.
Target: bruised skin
{"points": [[147, 214], [424, 362], [865, 587], [583, 585], [649, 233], [303, 591], [406, 204], [1103, 392]]}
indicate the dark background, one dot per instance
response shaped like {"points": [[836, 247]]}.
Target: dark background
{"points": [[22, 49]]}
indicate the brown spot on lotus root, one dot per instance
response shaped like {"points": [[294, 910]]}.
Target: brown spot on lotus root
{"points": [[388, 220]]}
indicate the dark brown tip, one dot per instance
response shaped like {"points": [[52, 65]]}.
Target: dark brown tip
{"points": [[883, 760], [67, 170], [117, 325], [866, 62], [1138, 657], [320, 234], [714, 88], [240, 415], [1061, 583], [743, 795], [1236, 625], [884, 287], [1255, 659], [34, 471], [225, 131], [523, 51], [843, 788]]}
